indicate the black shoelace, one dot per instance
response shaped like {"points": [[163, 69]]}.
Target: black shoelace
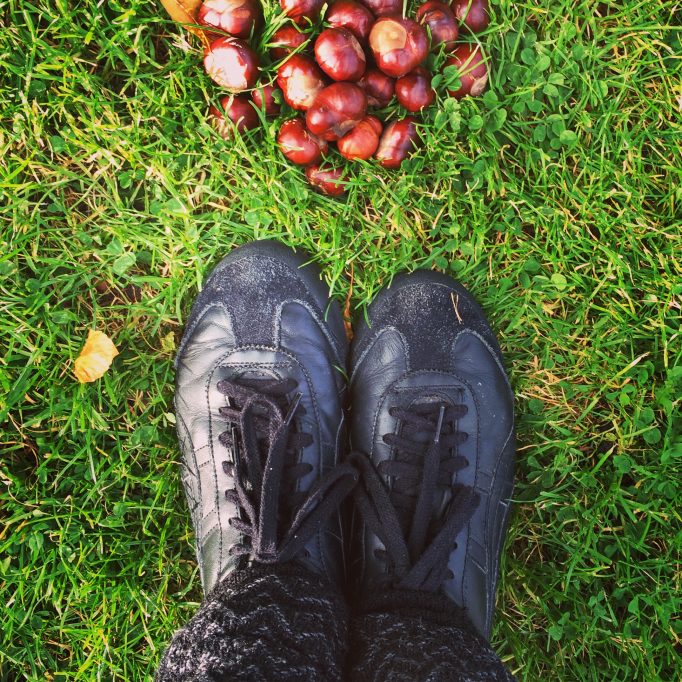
{"points": [[275, 520], [402, 517]]}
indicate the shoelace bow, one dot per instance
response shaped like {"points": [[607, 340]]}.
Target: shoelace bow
{"points": [[402, 517], [276, 520]]}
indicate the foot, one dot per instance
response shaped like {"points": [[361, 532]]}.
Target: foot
{"points": [[433, 421], [259, 406]]}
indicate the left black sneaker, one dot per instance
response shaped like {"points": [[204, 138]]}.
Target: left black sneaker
{"points": [[259, 398], [432, 424]]}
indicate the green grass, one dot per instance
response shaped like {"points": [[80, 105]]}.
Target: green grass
{"points": [[556, 199]]}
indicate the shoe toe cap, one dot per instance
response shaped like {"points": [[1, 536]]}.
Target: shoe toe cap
{"points": [[252, 288], [431, 310]]}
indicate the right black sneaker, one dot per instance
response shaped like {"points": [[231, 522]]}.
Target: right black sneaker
{"points": [[433, 420]]}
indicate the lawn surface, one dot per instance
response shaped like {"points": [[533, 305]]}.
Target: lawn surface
{"points": [[556, 199]]}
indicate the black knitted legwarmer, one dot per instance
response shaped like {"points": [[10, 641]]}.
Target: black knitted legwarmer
{"points": [[263, 623], [283, 623], [407, 636]]}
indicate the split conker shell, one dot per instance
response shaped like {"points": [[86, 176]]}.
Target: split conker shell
{"points": [[472, 69], [336, 110], [398, 45], [236, 17], [339, 55], [231, 63], [399, 139]]}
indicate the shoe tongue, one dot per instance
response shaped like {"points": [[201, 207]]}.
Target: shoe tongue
{"points": [[262, 381], [253, 376], [426, 405]]}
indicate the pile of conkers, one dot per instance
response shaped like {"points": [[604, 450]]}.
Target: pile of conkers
{"points": [[366, 53]]}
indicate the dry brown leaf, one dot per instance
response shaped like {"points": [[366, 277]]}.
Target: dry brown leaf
{"points": [[347, 317], [95, 358], [185, 12]]}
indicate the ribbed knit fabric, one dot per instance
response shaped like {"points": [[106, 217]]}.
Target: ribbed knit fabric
{"points": [[407, 636], [263, 623]]}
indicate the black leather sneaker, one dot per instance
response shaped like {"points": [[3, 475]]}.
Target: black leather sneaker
{"points": [[259, 400], [432, 424]]}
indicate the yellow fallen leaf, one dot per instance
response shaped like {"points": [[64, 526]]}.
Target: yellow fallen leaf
{"points": [[185, 12], [95, 358]]}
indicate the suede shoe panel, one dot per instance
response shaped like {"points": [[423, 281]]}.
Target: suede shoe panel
{"points": [[441, 311], [256, 286]]}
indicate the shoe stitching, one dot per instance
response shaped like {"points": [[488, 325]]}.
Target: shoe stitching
{"points": [[187, 467], [495, 355], [220, 363], [459, 290], [392, 387], [189, 331], [322, 325], [373, 441], [272, 365], [224, 263], [372, 342], [320, 322], [464, 578], [498, 361], [501, 526], [215, 469]]}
